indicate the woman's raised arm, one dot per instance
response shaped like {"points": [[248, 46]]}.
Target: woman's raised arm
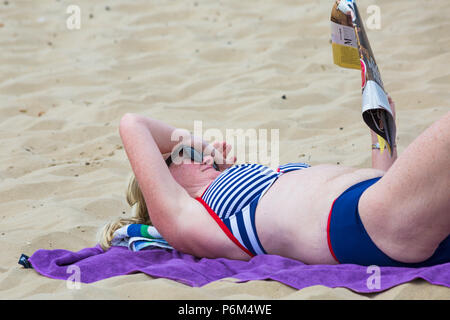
{"points": [[144, 140], [168, 137], [176, 215]]}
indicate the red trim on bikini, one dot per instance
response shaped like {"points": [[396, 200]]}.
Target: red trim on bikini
{"points": [[328, 233], [223, 226]]}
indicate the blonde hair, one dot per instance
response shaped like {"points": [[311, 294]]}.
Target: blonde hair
{"points": [[139, 214]]}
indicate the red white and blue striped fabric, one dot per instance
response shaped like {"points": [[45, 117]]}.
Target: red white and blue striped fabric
{"points": [[233, 197]]}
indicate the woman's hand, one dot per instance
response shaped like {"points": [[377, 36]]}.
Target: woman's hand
{"points": [[221, 155], [383, 161]]}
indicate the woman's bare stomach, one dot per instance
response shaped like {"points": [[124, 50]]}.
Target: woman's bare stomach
{"points": [[291, 217]]}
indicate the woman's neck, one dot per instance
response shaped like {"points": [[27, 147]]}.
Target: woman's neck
{"points": [[199, 191]]}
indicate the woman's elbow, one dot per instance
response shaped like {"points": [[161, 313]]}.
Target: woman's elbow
{"points": [[128, 118], [129, 122]]}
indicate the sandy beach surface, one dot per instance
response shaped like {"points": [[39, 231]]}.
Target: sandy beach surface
{"points": [[63, 170]]}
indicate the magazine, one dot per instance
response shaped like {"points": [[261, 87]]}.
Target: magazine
{"points": [[351, 49]]}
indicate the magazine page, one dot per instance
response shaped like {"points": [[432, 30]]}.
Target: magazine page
{"points": [[351, 49]]}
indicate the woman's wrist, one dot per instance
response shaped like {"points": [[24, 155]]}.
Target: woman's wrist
{"points": [[375, 141], [376, 146]]}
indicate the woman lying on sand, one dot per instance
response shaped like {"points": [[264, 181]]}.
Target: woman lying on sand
{"points": [[396, 213]]}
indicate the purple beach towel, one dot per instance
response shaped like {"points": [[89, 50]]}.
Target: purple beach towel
{"points": [[94, 264]]}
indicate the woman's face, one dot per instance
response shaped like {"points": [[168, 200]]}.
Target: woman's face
{"points": [[193, 175]]}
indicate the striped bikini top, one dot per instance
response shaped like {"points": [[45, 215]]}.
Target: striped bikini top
{"points": [[239, 185]]}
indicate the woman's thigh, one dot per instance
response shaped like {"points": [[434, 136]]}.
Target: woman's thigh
{"points": [[407, 212]]}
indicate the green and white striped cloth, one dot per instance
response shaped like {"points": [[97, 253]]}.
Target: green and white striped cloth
{"points": [[138, 237]]}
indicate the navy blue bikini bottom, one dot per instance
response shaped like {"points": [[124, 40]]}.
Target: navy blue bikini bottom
{"points": [[349, 242]]}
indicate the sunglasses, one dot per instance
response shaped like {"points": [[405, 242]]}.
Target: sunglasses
{"points": [[187, 152]]}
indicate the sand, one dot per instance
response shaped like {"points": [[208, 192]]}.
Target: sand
{"points": [[63, 170]]}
